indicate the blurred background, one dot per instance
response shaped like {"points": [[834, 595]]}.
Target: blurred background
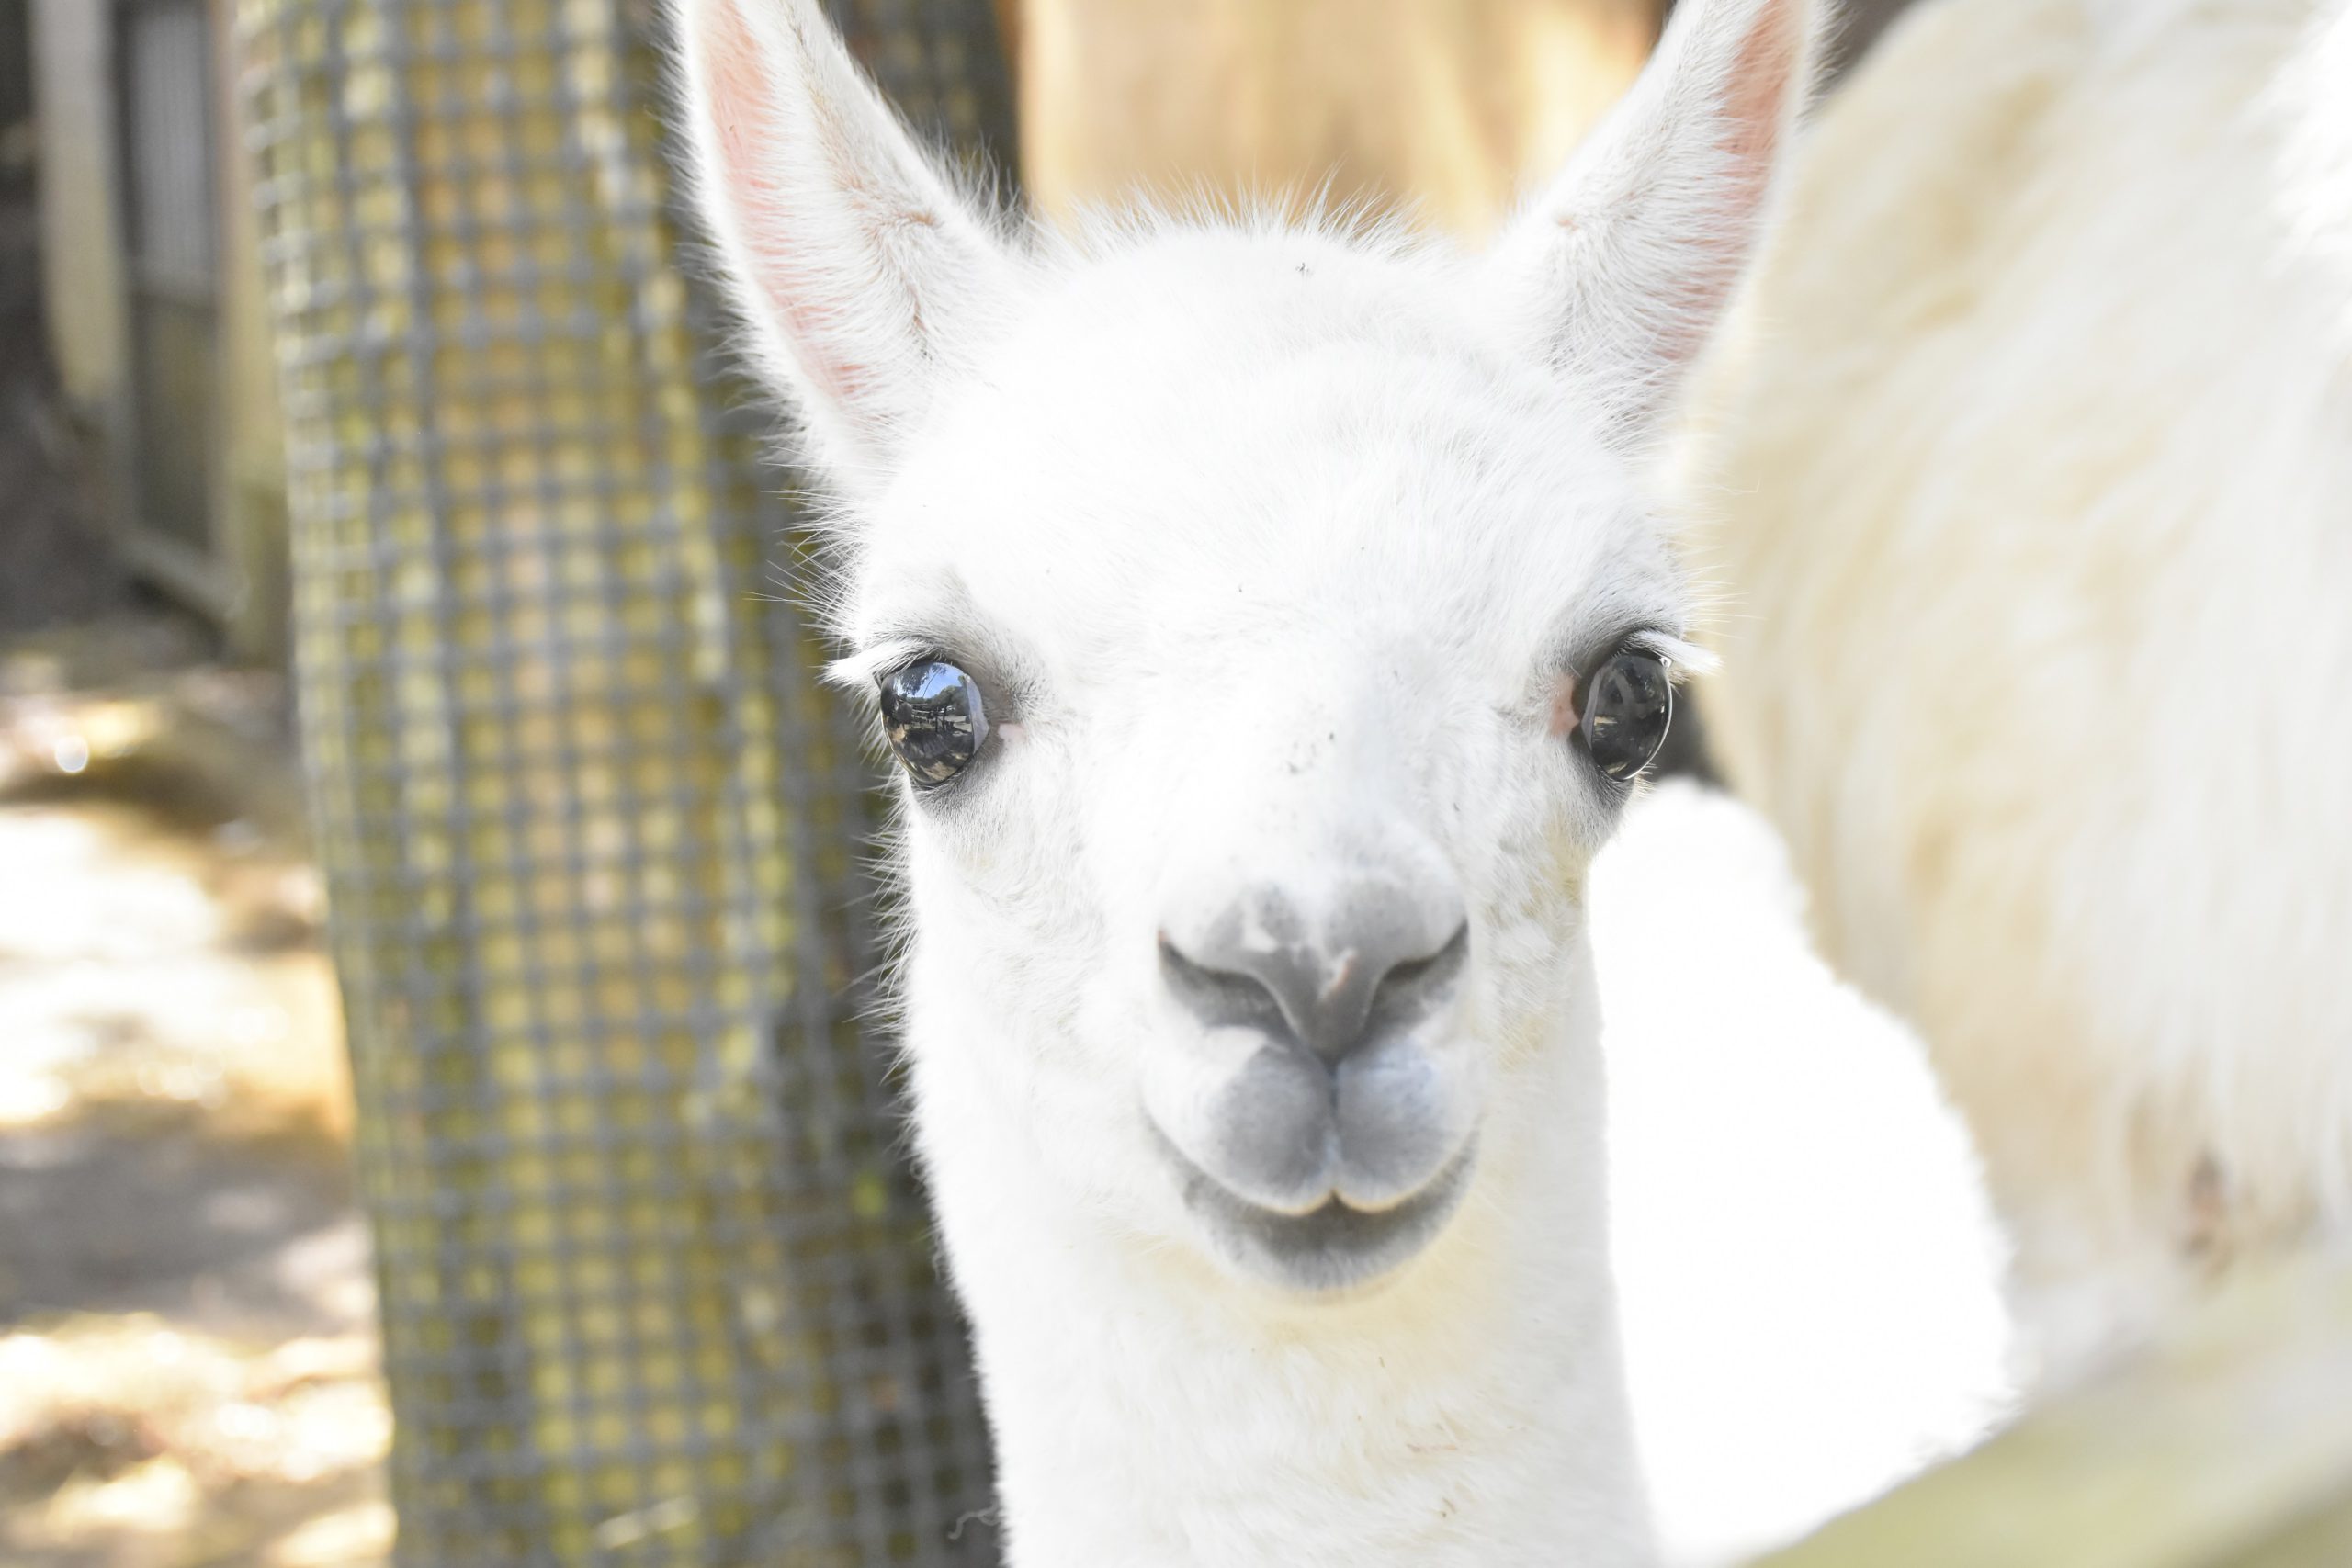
{"points": [[378, 516], [188, 1353]]}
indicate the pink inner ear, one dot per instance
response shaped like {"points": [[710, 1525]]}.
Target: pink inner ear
{"points": [[744, 123], [1762, 77]]}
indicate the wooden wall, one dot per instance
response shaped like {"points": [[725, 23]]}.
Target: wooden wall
{"points": [[1447, 103]]}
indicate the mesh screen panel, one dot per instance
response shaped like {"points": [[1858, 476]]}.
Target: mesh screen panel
{"points": [[657, 1288]]}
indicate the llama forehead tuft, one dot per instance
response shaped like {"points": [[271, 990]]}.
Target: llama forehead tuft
{"points": [[1202, 431]]}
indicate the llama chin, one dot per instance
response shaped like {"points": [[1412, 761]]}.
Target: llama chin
{"points": [[1271, 626]]}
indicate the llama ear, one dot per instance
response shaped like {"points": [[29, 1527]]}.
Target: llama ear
{"points": [[864, 278], [1627, 259]]}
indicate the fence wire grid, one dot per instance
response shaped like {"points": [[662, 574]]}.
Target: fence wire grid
{"points": [[657, 1288]]}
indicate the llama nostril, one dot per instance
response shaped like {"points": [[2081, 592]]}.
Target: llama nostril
{"points": [[1219, 998], [1413, 990], [1374, 970]]}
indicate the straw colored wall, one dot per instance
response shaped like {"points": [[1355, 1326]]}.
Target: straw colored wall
{"points": [[1453, 104]]}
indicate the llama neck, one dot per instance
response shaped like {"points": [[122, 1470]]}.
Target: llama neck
{"points": [[1148, 1411]]}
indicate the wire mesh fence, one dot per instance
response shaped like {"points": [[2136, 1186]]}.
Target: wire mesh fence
{"points": [[657, 1287]]}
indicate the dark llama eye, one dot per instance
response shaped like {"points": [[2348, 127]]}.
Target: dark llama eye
{"points": [[934, 719], [1628, 705]]}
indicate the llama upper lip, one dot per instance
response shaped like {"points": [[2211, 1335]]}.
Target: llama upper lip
{"points": [[1331, 1247]]}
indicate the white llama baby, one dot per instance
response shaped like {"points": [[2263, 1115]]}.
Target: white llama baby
{"points": [[1271, 631], [2032, 484]]}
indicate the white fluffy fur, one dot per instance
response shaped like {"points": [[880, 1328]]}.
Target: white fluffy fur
{"points": [[2030, 470], [1272, 548]]}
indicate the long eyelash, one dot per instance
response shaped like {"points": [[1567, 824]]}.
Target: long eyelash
{"points": [[1682, 659], [858, 671]]}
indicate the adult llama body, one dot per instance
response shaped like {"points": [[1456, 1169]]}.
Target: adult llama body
{"points": [[2029, 469]]}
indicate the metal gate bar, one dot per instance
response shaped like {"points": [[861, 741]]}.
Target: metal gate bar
{"points": [[164, 109]]}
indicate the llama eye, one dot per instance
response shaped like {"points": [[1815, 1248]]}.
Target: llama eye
{"points": [[1628, 704], [934, 719]]}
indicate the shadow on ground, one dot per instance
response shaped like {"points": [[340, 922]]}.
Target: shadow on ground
{"points": [[188, 1364]]}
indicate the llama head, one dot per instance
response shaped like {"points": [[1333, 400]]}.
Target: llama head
{"points": [[1268, 620]]}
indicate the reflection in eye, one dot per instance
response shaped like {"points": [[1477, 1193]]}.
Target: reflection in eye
{"points": [[935, 718], [1628, 706]]}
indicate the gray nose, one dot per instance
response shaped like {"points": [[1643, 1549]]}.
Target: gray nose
{"points": [[1378, 961]]}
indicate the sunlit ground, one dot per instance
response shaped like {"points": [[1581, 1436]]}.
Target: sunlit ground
{"points": [[187, 1352]]}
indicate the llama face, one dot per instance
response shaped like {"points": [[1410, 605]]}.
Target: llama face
{"points": [[1258, 819], [1269, 628]]}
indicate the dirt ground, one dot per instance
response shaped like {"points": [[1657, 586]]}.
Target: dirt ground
{"points": [[187, 1352]]}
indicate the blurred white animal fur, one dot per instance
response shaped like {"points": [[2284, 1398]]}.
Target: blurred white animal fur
{"points": [[2027, 472], [1240, 597]]}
